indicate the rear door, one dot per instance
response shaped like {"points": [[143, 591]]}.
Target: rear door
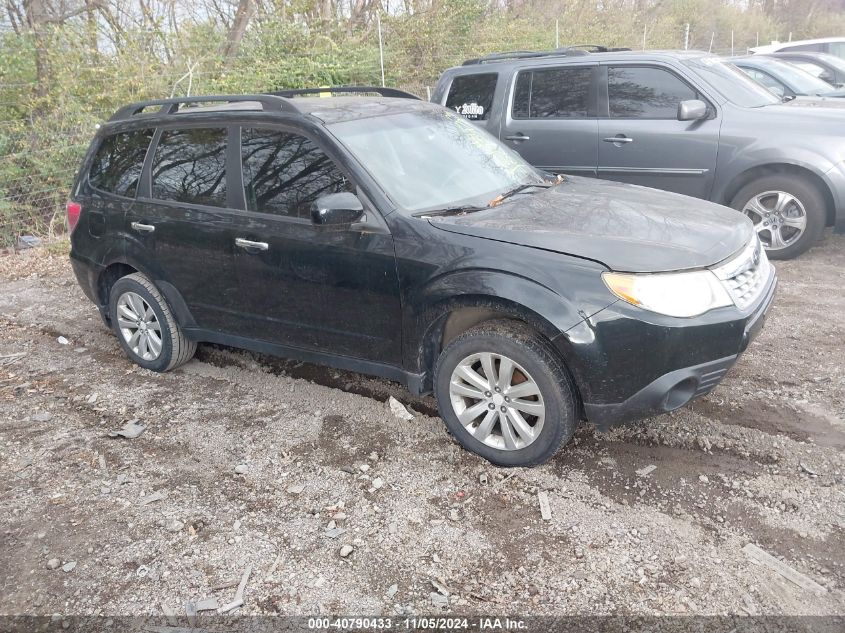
{"points": [[182, 221], [331, 289], [641, 139], [551, 118]]}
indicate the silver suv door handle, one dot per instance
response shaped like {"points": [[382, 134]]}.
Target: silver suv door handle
{"points": [[517, 137], [259, 246], [143, 228], [618, 139]]}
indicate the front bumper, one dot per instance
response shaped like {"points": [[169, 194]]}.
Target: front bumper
{"points": [[677, 387]]}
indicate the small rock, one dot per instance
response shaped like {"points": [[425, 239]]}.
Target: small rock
{"points": [[42, 416], [378, 482], [398, 409], [175, 526], [241, 469], [92, 399], [53, 563], [454, 515], [67, 567], [345, 551], [645, 470], [391, 590], [296, 489], [703, 479], [364, 467], [62, 340]]}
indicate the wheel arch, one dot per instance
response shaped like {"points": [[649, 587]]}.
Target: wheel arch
{"points": [[450, 318], [122, 266], [759, 171]]}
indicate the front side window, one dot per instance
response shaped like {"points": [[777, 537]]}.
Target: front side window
{"points": [[434, 159], [190, 166], [471, 96], [553, 93], [118, 163], [285, 173], [645, 93]]}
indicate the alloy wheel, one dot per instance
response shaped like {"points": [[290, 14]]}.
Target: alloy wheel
{"points": [[139, 326], [497, 401], [779, 218]]}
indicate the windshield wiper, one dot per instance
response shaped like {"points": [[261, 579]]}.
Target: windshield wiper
{"points": [[460, 210], [512, 192]]}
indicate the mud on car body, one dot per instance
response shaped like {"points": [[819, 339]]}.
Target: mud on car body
{"points": [[390, 236]]}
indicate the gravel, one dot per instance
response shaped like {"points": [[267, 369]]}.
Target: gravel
{"points": [[253, 459]]}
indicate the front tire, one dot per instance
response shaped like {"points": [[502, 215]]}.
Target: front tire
{"points": [[789, 213], [145, 326], [505, 394]]}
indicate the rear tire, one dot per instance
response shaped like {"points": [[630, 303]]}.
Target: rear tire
{"points": [[759, 201], [145, 326], [530, 388]]}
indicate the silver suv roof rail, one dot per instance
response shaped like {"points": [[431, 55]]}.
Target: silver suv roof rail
{"points": [[384, 92], [268, 102], [565, 51]]}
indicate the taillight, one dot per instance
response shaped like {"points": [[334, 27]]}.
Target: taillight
{"points": [[74, 209]]}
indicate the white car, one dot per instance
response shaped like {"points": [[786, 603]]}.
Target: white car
{"points": [[831, 45]]}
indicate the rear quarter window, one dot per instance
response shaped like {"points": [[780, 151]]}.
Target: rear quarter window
{"points": [[117, 165], [471, 96]]}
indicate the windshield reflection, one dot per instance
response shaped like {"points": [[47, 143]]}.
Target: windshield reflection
{"points": [[433, 159]]}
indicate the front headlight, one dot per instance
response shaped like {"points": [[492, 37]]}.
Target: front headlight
{"points": [[685, 294]]}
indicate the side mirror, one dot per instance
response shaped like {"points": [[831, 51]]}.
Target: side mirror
{"points": [[337, 209], [827, 76], [692, 110]]}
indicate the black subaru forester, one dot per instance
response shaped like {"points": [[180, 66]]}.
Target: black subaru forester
{"points": [[387, 235]]}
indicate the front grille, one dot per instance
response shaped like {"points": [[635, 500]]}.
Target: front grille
{"points": [[745, 276]]}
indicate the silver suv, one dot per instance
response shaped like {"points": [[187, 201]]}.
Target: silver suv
{"points": [[681, 121]]}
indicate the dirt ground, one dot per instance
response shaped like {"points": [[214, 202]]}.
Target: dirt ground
{"points": [[254, 462]]}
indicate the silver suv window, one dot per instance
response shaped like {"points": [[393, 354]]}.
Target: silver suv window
{"points": [[471, 96], [553, 93], [641, 92]]}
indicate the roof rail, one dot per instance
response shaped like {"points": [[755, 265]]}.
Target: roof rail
{"points": [[171, 106], [384, 92], [565, 51]]}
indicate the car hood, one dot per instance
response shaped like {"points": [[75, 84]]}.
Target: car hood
{"points": [[829, 105], [625, 227]]}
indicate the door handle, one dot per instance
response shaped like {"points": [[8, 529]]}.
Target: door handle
{"points": [[618, 139], [517, 137], [143, 228], [259, 246]]}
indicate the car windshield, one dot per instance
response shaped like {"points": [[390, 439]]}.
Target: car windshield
{"points": [[832, 60], [799, 80], [433, 159], [731, 82]]}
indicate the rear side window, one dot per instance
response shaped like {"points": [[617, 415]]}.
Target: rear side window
{"points": [[190, 166], [118, 163], [285, 173], [645, 93], [554, 93], [471, 96]]}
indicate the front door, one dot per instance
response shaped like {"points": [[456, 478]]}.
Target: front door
{"points": [[320, 288], [551, 120], [641, 139]]}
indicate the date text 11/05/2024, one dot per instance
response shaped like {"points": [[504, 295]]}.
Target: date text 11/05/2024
{"points": [[419, 623]]}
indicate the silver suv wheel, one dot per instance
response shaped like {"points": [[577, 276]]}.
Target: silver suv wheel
{"points": [[139, 326], [779, 218], [497, 401]]}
